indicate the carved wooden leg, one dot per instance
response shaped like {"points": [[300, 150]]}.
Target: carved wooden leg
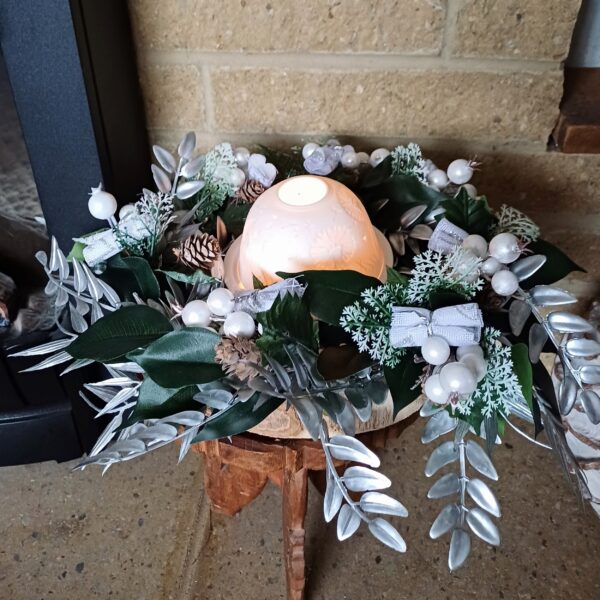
{"points": [[295, 494]]}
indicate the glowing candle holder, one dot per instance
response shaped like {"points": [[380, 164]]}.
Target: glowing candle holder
{"points": [[305, 223]]}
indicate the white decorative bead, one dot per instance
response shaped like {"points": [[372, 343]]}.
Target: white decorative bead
{"points": [[196, 314], [462, 351], [308, 149], [220, 302], [477, 244], [333, 142], [363, 157], [476, 364], [438, 178], [237, 178], [505, 248], [491, 265], [378, 156], [239, 324], [241, 156], [435, 350], [467, 268], [101, 204], [470, 189], [505, 283], [456, 377], [350, 160], [127, 211], [434, 391], [460, 171]]}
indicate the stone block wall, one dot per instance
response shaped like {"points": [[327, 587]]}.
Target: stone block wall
{"points": [[461, 77]]}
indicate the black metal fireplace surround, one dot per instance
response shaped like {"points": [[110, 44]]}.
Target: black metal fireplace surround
{"points": [[72, 69]]}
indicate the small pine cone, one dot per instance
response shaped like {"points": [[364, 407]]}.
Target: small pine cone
{"points": [[198, 251], [230, 352], [249, 192]]}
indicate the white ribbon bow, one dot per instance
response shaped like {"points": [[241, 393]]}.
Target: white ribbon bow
{"points": [[459, 325]]}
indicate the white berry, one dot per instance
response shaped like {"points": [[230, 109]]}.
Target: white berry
{"points": [[220, 302], [196, 314], [438, 178], [476, 364], [456, 377], [378, 156], [241, 156], [237, 178], [435, 350], [460, 171], [477, 244], [239, 324], [491, 265], [462, 351], [308, 149], [363, 157], [505, 283], [350, 160], [504, 247], [434, 391], [101, 204]]}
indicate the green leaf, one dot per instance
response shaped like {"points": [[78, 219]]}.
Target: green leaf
{"points": [[471, 214], [237, 419], [257, 284], [339, 362], [192, 278], [442, 298], [522, 368], [132, 274], [234, 217], [288, 317], [394, 277], [402, 381], [329, 292], [156, 402], [557, 265], [181, 358], [120, 332]]}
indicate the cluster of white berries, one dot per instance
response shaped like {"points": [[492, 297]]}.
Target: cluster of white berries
{"points": [[459, 172], [348, 157], [502, 250], [453, 379], [219, 303]]}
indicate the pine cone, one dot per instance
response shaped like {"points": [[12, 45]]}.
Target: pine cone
{"points": [[249, 192], [230, 352], [198, 251]]}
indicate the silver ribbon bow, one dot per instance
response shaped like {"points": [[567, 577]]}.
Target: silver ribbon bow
{"points": [[445, 237], [257, 301], [459, 325]]}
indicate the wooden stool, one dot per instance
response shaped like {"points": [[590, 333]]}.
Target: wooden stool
{"points": [[236, 472]]}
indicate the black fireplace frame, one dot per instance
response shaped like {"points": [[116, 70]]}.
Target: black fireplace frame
{"points": [[72, 69]]}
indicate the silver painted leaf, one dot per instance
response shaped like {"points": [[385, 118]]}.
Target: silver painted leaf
{"points": [[78, 323], [443, 455], [412, 215], [42, 258], [165, 159], [482, 526], [77, 364], [518, 313], [160, 432], [187, 189], [460, 548], [421, 232], [333, 498], [590, 374], [163, 183], [344, 447], [582, 347], [61, 297], [567, 395], [479, 460], [440, 424], [566, 322], [193, 167], [348, 522], [430, 408], [526, 267], [94, 288], [187, 418], [46, 348], [483, 496], [187, 145], [591, 404], [361, 479], [79, 278], [376, 502], [387, 534], [546, 295], [51, 361], [447, 520], [538, 337], [364, 413], [345, 417], [445, 486]]}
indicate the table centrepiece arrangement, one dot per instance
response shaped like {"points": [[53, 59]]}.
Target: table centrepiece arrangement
{"points": [[326, 280]]}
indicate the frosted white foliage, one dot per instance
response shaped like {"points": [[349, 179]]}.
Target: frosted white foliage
{"points": [[500, 383], [457, 271], [511, 220], [408, 160]]}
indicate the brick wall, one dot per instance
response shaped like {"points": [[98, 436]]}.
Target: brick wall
{"points": [[461, 77]]}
